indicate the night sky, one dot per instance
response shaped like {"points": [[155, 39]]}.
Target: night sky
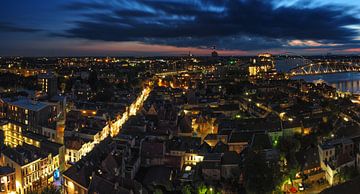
{"points": [[175, 27]]}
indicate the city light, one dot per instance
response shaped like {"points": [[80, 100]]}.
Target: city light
{"points": [[210, 96]]}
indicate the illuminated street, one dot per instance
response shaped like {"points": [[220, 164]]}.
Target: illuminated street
{"points": [[133, 109], [180, 96]]}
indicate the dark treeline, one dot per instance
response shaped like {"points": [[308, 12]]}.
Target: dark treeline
{"points": [[9, 80]]}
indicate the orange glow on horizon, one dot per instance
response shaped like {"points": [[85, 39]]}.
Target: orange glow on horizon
{"points": [[163, 49], [357, 50]]}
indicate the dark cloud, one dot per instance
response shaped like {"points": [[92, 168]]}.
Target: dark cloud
{"points": [[84, 6], [229, 24], [8, 27]]}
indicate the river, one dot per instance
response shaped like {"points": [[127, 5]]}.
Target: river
{"points": [[345, 82]]}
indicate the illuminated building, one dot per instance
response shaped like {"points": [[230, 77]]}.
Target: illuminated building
{"points": [[189, 148], [264, 63], [23, 72], [336, 155], [48, 84], [34, 167], [204, 125], [7, 180], [12, 134], [26, 112], [76, 148]]}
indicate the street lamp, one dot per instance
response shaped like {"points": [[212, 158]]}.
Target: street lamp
{"points": [[211, 189]]}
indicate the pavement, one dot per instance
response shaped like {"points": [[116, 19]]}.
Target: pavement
{"points": [[315, 188]]}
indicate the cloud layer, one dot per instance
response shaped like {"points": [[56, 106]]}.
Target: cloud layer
{"points": [[8, 27], [229, 24]]}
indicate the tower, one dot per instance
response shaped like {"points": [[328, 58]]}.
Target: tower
{"points": [[214, 53]]}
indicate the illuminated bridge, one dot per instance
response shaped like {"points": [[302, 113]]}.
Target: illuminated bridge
{"points": [[325, 68]]}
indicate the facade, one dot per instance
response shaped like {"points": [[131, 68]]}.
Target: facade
{"points": [[230, 165], [7, 180], [34, 167], [264, 63], [335, 155], [76, 148], [239, 141], [48, 84], [211, 167], [26, 112]]}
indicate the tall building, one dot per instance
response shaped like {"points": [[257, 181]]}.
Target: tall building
{"points": [[48, 84]]}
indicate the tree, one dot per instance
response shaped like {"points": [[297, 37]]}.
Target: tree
{"points": [[158, 191], [260, 177], [201, 188], [187, 189], [288, 148], [347, 173]]}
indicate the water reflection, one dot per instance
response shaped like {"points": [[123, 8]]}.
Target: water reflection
{"points": [[352, 86], [345, 82]]}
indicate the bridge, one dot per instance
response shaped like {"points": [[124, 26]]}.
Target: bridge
{"points": [[325, 68]]}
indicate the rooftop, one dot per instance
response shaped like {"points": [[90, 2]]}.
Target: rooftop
{"points": [[4, 170], [28, 104]]}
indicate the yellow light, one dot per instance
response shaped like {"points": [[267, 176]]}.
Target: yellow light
{"points": [[71, 185], [18, 185], [282, 114], [187, 168]]}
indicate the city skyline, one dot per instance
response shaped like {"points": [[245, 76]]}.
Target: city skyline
{"points": [[154, 28]]}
